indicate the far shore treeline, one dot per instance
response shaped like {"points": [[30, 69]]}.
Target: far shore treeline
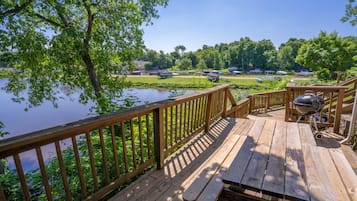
{"points": [[247, 54]]}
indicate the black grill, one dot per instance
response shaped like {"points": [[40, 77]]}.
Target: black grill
{"points": [[310, 105]]}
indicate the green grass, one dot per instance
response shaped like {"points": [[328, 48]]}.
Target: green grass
{"points": [[245, 84]]}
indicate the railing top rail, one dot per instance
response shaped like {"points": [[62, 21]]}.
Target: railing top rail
{"points": [[348, 82], [317, 87], [267, 93], [45, 136]]}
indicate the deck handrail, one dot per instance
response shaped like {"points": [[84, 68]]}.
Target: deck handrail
{"points": [[331, 114], [115, 147]]}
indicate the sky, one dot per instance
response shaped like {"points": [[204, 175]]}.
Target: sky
{"points": [[194, 23]]}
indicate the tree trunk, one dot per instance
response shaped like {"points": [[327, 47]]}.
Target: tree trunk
{"points": [[92, 74]]}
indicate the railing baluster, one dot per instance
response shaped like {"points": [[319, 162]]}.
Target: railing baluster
{"points": [[159, 138], [141, 140], [133, 143], [196, 114], [123, 137], [208, 112], [79, 167], [184, 120], [148, 135], [63, 171], [166, 131], [192, 117], [176, 124], [171, 130], [43, 173], [200, 111], [22, 178], [104, 156], [115, 152], [91, 160], [180, 134]]}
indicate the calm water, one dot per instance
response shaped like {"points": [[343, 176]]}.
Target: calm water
{"points": [[17, 121]]}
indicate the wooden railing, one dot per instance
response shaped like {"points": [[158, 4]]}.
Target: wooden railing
{"points": [[331, 113], [96, 156], [265, 101]]}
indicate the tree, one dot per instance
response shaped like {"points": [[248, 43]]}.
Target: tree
{"points": [[329, 52], [180, 49], [75, 43], [287, 53], [185, 64], [351, 13]]}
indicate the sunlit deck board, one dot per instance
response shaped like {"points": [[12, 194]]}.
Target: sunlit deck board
{"points": [[333, 175], [295, 184], [346, 172], [242, 159], [274, 177], [255, 171]]}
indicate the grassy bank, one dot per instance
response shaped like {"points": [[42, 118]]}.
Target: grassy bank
{"points": [[201, 82], [241, 86]]}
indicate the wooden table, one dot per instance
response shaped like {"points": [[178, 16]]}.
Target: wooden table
{"points": [[283, 160]]}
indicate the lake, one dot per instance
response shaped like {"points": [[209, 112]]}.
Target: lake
{"points": [[17, 121]]}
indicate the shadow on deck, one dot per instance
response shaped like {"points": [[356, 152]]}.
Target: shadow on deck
{"points": [[168, 183]]}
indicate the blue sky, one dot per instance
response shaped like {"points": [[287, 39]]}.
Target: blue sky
{"points": [[193, 23]]}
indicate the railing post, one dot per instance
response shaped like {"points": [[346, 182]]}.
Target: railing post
{"points": [[224, 114], [336, 125], [208, 112], [250, 104], [287, 103], [159, 137]]}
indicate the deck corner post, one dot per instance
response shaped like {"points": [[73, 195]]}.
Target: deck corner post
{"points": [[208, 112], [226, 91], [159, 137], [287, 103], [336, 125]]}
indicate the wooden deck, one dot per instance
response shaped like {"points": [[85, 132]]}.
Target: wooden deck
{"points": [[261, 158]]}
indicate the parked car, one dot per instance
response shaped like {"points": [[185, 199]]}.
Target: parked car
{"points": [[305, 73], [213, 77], [237, 72], [136, 72], [165, 74], [280, 72]]}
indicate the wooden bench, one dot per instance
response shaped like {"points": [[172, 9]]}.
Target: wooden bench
{"points": [[206, 182]]}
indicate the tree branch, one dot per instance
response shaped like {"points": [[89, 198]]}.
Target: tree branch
{"points": [[90, 19], [48, 20], [60, 14], [16, 10]]}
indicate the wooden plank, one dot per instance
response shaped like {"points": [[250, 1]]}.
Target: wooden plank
{"points": [[295, 185], [347, 174], [333, 175], [306, 135], [203, 174], [254, 175], [215, 186], [275, 174], [235, 173], [208, 169], [318, 184]]}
